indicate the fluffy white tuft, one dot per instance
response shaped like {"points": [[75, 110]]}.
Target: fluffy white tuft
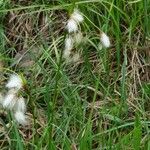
{"points": [[105, 40], [20, 105], [75, 19], [15, 81], [20, 118], [76, 15], [9, 100], [78, 37], [68, 47], [72, 25]]}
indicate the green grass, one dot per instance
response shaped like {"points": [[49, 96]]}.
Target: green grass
{"points": [[100, 102]]}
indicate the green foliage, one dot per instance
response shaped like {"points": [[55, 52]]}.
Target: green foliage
{"points": [[100, 102]]}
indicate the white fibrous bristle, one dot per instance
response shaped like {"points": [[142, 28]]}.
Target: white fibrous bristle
{"points": [[76, 15], [78, 37], [9, 100], [75, 19], [20, 105], [15, 81], [20, 117], [105, 40], [72, 25], [68, 47]]}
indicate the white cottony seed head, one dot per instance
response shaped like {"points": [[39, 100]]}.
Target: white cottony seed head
{"points": [[68, 47], [68, 43], [78, 37], [105, 40], [72, 25], [75, 19], [15, 81], [76, 15], [20, 118], [20, 105], [9, 100]]}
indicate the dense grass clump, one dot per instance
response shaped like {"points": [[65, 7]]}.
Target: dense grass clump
{"points": [[95, 98]]}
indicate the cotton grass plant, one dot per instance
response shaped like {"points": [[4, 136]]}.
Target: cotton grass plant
{"points": [[100, 99], [75, 36]]}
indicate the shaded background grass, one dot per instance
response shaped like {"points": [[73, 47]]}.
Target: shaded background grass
{"points": [[99, 102]]}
